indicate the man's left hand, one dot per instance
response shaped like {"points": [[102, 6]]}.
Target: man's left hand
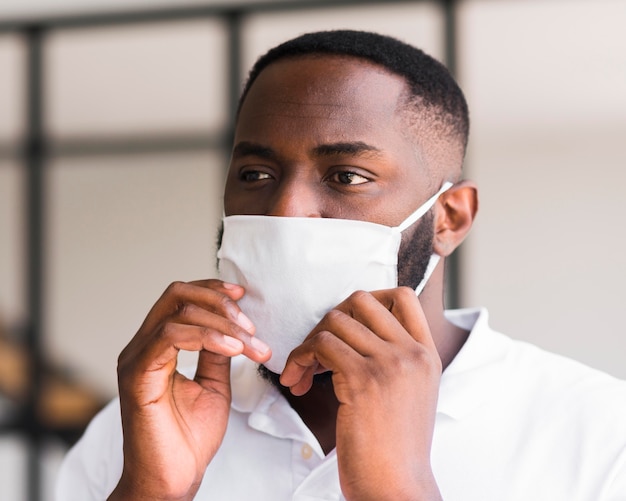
{"points": [[386, 372]]}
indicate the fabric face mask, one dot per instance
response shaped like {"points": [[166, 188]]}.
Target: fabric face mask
{"points": [[296, 269]]}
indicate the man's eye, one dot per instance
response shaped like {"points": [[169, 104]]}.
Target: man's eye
{"points": [[347, 177], [254, 175]]}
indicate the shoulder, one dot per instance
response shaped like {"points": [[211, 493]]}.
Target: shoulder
{"points": [[555, 382], [497, 368], [503, 398], [91, 469]]}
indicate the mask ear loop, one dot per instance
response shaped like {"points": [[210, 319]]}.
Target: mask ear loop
{"points": [[434, 258], [432, 264], [424, 208]]}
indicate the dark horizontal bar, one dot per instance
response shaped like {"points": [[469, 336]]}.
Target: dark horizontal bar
{"points": [[10, 426], [126, 145], [69, 434], [139, 15]]}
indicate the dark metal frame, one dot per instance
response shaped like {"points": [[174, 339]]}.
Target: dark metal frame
{"points": [[36, 148]]}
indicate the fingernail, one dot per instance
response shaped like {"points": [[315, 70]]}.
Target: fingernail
{"points": [[245, 323], [228, 285], [233, 343], [259, 345]]}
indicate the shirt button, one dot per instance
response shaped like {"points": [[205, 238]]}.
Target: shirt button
{"points": [[306, 451]]}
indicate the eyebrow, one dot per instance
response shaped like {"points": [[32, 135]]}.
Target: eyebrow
{"points": [[355, 148], [245, 148]]}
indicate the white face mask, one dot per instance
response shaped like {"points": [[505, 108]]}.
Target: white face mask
{"points": [[296, 269]]}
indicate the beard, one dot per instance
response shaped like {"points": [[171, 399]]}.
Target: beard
{"points": [[325, 379], [413, 258], [415, 252]]}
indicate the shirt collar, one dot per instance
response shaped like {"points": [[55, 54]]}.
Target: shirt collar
{"points": [[473, 376], [268, 410], [248, 388], [478, 370]]}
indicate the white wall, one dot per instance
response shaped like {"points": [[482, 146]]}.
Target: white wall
{"points": [[546, 85]]}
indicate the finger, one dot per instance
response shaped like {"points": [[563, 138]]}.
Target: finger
{"points": [[213, 372], [218, 309], [405, 306], [212, 295], [216, 296], [191, 314], [234, 291], [363, 323], [174, 337], [147, 369], [390, 313], [319, 353], [358, 325]]}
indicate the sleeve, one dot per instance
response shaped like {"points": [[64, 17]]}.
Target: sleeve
{"points": [[92, 468]]}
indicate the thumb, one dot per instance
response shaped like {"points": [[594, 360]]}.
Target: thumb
{"points": [[213, 373]]}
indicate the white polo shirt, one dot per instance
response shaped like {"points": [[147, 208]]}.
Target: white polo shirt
{"points": [[514, 423]]}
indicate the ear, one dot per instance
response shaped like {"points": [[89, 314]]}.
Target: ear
{"points": [[454, 216]]}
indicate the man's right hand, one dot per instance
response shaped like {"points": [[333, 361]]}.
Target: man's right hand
{"points": [[173, 426]]}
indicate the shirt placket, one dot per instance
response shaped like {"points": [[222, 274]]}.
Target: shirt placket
{"points": [[274, 416], [304, 459], [322, 483]]}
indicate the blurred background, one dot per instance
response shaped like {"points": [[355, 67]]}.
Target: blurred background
{"points": [[115, 118]]}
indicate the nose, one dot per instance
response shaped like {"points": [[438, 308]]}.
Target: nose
{"points": [[295, 198]]}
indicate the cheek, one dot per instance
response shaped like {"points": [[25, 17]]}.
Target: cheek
{"points": [[229, 198], [238, 201], [235, 204]]}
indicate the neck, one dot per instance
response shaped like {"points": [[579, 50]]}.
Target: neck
{"points": [[318, 409], [448, 338]]}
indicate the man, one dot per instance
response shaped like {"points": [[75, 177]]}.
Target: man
{"points": [[336, 131]]}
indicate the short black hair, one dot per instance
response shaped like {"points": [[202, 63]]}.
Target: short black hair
{"points": [[432, 88]]}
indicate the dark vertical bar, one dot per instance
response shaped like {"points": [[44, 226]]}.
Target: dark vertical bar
{"points": [[450, 34], [34, 197], [453, 272], [235, 57]]}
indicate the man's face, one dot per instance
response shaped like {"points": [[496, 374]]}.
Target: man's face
{"points": [[325, 137]]}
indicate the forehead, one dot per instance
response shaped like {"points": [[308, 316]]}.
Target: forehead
{"points": [[341, 95]]}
